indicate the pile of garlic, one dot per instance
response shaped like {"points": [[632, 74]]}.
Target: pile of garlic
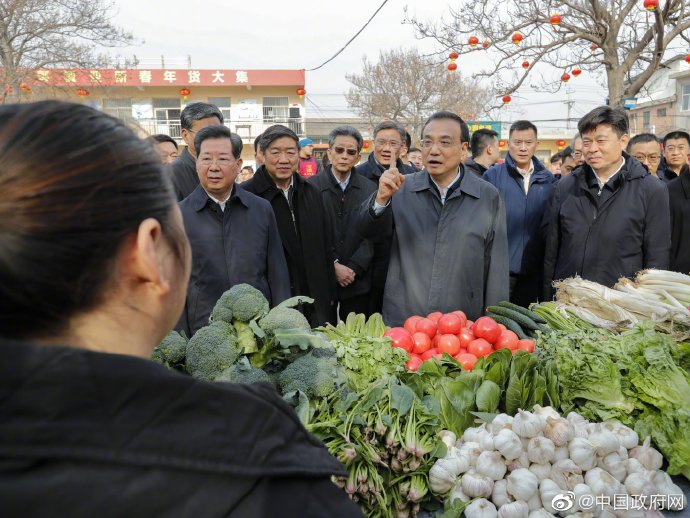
{"points": [[514, 467]]}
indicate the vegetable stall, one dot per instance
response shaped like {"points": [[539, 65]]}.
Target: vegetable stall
{"points": [[578, 407]]}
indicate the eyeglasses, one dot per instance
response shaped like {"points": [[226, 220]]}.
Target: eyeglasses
{"points": [[383, 143], [222, 162], [338, 150], [443, 143], [652, 159]]}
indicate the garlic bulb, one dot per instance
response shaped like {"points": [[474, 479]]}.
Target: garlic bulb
{"points": [[675, 498], [583, 453], [443, 473], [581, 490], [500, 422], [499, 495], [650, 458], [481, 508], [508, 443], [526, 424], [641, 483], [471, 435], [614, 465], [561, 453], [472, 450], [602, 483], [522, 484], [548, 490], [448, 438], [521, 462], [541, 471], [486, 441], [633, 466], [516, 509], [474, 484], [566, 474], [606, 442], [576, 418], [491, 464], [546, 411], [622, 452], [559, 431], [534, 502], [458, 494], [540, 513], [627, 437], [540, 450]]}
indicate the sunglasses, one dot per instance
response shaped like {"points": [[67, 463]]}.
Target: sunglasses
{"points": [[340, 150]]}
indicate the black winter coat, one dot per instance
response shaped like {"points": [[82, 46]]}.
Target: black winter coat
{"points": [[85, 434], [238, 245], [184, 175], [602, 238], [306, 241], [679, 197], [351, 249], [373, 171], [475, 167]]}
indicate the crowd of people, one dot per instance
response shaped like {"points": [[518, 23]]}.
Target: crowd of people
{"points": [[104, 250], [449, 225]]}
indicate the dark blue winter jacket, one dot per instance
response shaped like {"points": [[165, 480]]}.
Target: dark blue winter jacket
{"points": [[523, 212]]}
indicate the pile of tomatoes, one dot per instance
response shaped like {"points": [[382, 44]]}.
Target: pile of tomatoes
{"points": [[452, 333]]}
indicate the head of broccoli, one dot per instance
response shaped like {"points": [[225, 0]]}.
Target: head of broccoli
{"points": [[172, 350], [244, 372], [315, 376], [242, 302], [212, 350], [282, 317]]}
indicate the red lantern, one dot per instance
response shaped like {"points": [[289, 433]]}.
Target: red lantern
{"points": [[301, 92], [650, 5], [25, 88], [506, 99], [517, 38], [453, 56], [502, 144], [593, 47], [184, 92], [576, 71], [687, 59], [561, 143], [555, 19], [365, 144], [473, 41], [486, 44], [565, 77], [452, 66], [83, 92], [525, 65]]}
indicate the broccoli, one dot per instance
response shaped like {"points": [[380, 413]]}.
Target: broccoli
{"points": [[243, 372], [241, 302], [212, 350], [245, 337], [316, 377], [171, 351], [283, 318]]}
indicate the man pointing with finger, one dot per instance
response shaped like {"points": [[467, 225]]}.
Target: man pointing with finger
{"points": [[450, 248]]}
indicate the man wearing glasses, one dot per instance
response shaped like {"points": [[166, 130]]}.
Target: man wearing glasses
{"points": [[232, 233], [646, 148], [448, 227], [577, 154], [676, 150], [343, 191]]}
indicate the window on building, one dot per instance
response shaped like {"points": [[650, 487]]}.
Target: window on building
{"points": [[167, 109], [276, 109], [646, 118], [223, 104], [120, 108], [685, 106], [661, 112]]}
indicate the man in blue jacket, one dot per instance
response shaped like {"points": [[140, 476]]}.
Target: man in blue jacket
{"points": [[525, 186]]}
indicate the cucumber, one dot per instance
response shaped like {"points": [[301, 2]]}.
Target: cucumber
{"points": [[510, 324], [522, 320], [528, 313]]}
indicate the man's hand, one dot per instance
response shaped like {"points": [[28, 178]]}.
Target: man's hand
{"points": [[391, 181], [344, 275]]}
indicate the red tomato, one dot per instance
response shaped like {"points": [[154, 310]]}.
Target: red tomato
{"points": [[428, 354], [426, 326], [465, 336], [400, 338], [480, 347], [462, 316], [413, 363], [435, 316], [526, 345], [422, 343], [507, 340], [462, 351], [449, 324], [503, 328], [487, 328], [467, 361], [449, 344], [410, 324]]}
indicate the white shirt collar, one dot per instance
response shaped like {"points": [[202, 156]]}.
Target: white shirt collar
{"points": [[603, 183], [221, 202], [286, 192], [444, 191], [343, 185]]}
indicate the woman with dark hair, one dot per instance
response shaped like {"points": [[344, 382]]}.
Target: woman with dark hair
{"points": [[94, 265]]}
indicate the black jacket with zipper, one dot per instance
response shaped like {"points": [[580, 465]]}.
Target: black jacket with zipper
{"points": [[306, 241], [679, 195], [351, 249], [606, 234], [86, 434]]}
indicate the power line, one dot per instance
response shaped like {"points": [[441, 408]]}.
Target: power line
{"points": [[351, 39]]}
